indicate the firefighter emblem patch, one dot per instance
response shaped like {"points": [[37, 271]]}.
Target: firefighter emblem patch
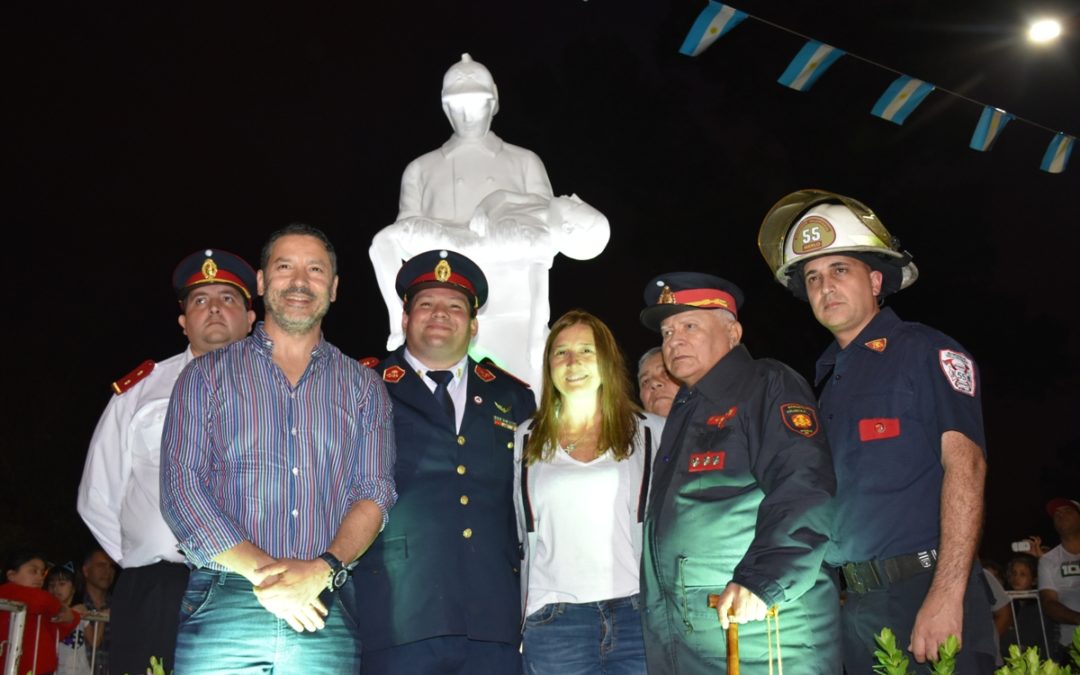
{"points": [[959, 371], [802, 419]]}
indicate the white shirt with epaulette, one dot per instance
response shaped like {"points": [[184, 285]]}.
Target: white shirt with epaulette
{"points": [[119, 496]]}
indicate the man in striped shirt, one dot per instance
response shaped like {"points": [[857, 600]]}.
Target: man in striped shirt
{"points": [[277, 472]]}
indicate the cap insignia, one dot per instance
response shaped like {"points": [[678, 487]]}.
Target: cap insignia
{"points": [[209, 268], [442, 271], [666, 296]]}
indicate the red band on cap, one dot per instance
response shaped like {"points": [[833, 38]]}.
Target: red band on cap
{"points": [[454, 278], [706, 298], [223, 277]]}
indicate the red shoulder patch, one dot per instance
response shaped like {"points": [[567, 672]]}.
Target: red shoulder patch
{"points": [[483, 373], [719, 421], [369, 361], [802, 419], [877, 345], [393, 374], [134, 377]]}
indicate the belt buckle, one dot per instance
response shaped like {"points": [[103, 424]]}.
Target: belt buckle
{"points": [[863, 577]]}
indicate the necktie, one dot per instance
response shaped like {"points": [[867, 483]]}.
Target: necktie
{"points": [[442, 394]]}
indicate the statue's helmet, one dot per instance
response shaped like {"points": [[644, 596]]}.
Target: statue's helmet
{"points": [[467, 77], [811, 223]]}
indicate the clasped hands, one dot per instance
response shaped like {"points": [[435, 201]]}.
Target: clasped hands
{"points": [[289, 589]]}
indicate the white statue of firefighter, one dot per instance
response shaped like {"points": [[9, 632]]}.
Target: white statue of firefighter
{"points": [[492, 202]]}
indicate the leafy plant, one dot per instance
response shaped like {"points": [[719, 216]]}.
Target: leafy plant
{"points": [[891, 660], [947, 651], [157, 667], [1074, 651], [1029, 663]]}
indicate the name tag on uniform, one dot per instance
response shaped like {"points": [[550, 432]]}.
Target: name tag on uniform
{"points": [[879, 428], [706, 461]]}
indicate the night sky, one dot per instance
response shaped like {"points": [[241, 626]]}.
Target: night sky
{"points": [[138, 136]]}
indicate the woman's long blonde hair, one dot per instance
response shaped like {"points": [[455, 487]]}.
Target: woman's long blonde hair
{"points": [[618, 408]]}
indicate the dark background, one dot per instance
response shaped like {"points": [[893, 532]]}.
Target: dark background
{"points": [[137, 136]]}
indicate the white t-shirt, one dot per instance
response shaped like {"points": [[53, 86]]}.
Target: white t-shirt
{"points": [[1059, 571], [584, 513]]}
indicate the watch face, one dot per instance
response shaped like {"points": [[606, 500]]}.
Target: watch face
{"points": [[340, 578]]}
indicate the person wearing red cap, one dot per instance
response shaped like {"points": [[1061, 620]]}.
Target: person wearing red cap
{"points": [[439, 589], [118, 496], [1059, 573], [741, 499]]}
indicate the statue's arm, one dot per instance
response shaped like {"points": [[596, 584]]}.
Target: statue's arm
{"points": [[536, 177], [409, 202]]}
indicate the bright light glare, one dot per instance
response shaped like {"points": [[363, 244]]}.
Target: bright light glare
{"points": [[1044, 30]]}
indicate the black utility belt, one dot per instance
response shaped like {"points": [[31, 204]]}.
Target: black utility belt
{"points": [[876, 575]]}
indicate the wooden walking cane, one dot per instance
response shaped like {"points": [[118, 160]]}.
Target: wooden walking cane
{"points": [[732, 638]]}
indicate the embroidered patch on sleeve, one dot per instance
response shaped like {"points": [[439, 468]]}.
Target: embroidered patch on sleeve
{"points": [[959, 370], [706, 461], [802, 419], [878, 428]]}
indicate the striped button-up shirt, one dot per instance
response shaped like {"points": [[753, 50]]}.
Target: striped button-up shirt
{"points": [[246, 456]]}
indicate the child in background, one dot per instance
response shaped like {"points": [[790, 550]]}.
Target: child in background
{"points": [[70, 651], [1027, 630], [46, 619], [1023, 573]]}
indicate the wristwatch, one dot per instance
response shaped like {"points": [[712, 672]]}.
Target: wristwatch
{"points": [[338, 573]]}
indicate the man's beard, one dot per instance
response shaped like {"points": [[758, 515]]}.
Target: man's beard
{"points": [[296, 326]]}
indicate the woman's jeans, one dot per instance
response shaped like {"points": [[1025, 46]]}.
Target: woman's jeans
{"points": [[592, 637]]}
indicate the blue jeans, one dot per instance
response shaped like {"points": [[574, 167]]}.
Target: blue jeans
{"points": [[591, 637], [224, 629]]}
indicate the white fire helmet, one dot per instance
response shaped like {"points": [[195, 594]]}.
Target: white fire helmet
{"points": [[467, 77], [812, 223]]}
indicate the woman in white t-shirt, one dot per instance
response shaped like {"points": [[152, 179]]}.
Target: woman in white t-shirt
{"points": [[581, 484]]}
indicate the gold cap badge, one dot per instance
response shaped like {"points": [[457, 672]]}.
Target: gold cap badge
{"points": [[666, 296], [442, 271], [209, 268]]}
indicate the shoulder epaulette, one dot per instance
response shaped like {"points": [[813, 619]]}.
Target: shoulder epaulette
{"points": [[369, 361], [134, 377], [490, 365]]}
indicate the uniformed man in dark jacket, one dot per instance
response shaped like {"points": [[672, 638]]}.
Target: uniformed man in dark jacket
{"points": [[438, 591], [903, 414], [741, 498]]}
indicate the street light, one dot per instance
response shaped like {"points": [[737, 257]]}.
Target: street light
{"points": [[1044, 30]]}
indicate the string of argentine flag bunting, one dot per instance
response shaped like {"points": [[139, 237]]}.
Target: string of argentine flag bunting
{"points": [[900, 99]]}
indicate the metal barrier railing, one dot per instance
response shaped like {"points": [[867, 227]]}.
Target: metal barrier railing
{"points": [[11, 644], [1028, 595], [11, 647]]}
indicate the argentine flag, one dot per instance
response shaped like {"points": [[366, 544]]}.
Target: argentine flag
{"points": [[713, 22], [901, 98], [991, 123], [809, 64], [1057, 153]]}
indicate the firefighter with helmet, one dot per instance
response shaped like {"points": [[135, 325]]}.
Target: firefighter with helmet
{"points": [[900, 403]]}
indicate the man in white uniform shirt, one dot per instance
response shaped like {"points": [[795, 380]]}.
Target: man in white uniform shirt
{"points": [[119, 494]]}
